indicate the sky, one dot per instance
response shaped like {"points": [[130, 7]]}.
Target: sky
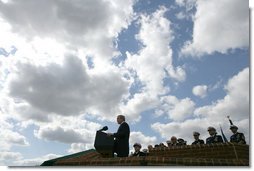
{"points": [[68, 68]]}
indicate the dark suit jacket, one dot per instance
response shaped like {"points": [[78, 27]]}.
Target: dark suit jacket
{"points": [[121, 146], [198, 142], [214, 139], [140, 153]]}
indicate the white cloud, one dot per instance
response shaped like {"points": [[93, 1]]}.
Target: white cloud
{"points": [[68, 130], [68, 22], [182, 129], [78, 147], [188, 5], [7, 157], [152, 64], [200, 90], [176, 109], [235, 104], [219, 25], [64, 89], [9, 137], [139, 137], [41, 85], [156, 55], [13, 138], [139, 103], [181, 15], [35, 161], [60, 134]]}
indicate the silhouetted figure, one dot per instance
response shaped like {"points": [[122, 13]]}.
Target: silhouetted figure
{"points": [[181, 141], [214, 138], [149, 147], [162, 145], [137, 152], [237, 137], [172, 142], [197, 140], [121, 143]]}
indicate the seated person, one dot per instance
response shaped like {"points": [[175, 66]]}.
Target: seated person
{"points": [[197, 140], [181, 141], [162, 145], [137, 152], [237, 137], [149, 147], [214, 138], [172, 142]]}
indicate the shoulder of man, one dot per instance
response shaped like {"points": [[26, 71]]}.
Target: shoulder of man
{"points": [[233, 136], [201, 141], [219, 138], [125, 124], [239, 133]]}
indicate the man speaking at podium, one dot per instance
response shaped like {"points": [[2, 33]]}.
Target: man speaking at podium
{"points": [[121, 142]]}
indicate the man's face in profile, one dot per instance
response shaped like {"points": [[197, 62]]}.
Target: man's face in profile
{"points": [[119, 119], [233, 130]]}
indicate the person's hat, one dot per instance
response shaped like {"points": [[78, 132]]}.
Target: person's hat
{"points": [[196, 133], [211, 128], [180, 140], [233, 127], [137, 144]]}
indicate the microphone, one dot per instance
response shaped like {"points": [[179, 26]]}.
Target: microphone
{"points": [[105, 128]]}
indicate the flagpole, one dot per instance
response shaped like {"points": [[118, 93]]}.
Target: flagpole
{"points": [[223, 136]]}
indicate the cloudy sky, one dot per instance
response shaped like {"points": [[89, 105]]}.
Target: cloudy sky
{"points": [[68, 68]]}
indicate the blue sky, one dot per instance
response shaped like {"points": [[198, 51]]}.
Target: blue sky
{"points": [[170, 66]]}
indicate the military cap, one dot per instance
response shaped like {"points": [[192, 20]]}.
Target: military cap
{"points": [[233, 126], [137, 144], [196, 133], [180, 140], [211, 128]]}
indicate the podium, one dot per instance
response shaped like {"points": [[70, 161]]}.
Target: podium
{"points": [[104, 144]]}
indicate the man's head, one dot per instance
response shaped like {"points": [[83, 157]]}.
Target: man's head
{"points": [[181, 141], [150, 147], [233, 128], [173, 139], [137, 147], [196, 135], [120, 119], [211, 130]]}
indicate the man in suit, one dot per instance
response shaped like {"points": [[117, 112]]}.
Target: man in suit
{"points": [[121, 142], [137, 152], [197, 140], [237, 137], [214, 138], [172, 142]]}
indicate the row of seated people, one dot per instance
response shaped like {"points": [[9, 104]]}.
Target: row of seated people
{"points": [[214, 138]]}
